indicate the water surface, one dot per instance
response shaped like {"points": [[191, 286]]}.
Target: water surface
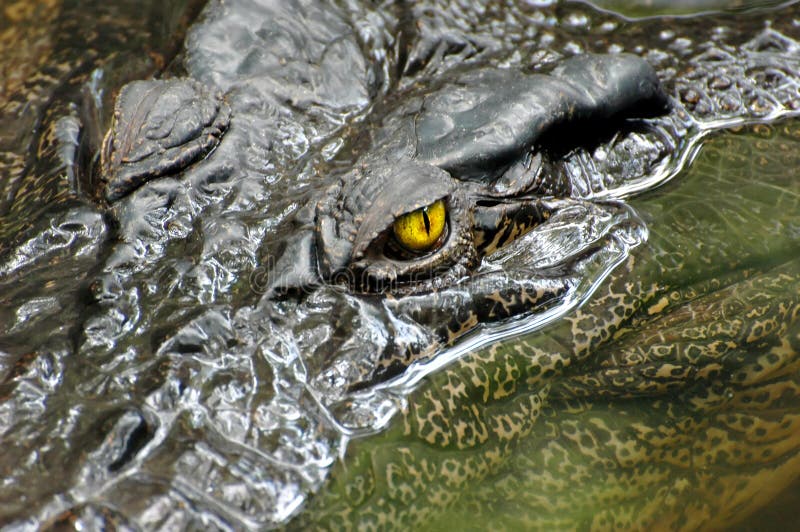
{"points": [[145, 381]]}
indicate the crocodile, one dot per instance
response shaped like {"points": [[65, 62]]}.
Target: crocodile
{"points": [[447, 187], [305, 209]]}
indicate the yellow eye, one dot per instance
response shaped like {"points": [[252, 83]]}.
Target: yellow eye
{"points": [[421, 229]]}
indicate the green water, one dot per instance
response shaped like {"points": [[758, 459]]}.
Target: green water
{"points": [[680, 450]]}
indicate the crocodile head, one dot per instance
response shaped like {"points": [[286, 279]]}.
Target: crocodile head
{"points": [[453, 173], [454, 176]]}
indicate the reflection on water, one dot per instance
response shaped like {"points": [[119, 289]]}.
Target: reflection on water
{"points": [[650, 8]]}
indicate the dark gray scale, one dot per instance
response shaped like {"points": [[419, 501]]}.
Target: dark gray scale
{"points": [[486, 120], [160, 128]]}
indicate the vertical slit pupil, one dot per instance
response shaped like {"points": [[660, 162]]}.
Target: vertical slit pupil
{"points": [[426, 220]]}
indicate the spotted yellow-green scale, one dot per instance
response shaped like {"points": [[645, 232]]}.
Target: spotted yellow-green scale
{"points": [[669, 400]]}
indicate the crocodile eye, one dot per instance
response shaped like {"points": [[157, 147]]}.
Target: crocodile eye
{"points": [[421, 230]]}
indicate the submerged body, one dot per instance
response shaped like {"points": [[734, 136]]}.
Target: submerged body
{"points": [[248, 267], [669, 400]]}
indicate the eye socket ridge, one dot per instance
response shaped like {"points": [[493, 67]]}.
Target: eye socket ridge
{"points": [[419, 232]]}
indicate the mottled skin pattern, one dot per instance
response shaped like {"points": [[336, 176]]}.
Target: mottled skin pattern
{"points": [[659, 404], [26, 48], [44, 74]]}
